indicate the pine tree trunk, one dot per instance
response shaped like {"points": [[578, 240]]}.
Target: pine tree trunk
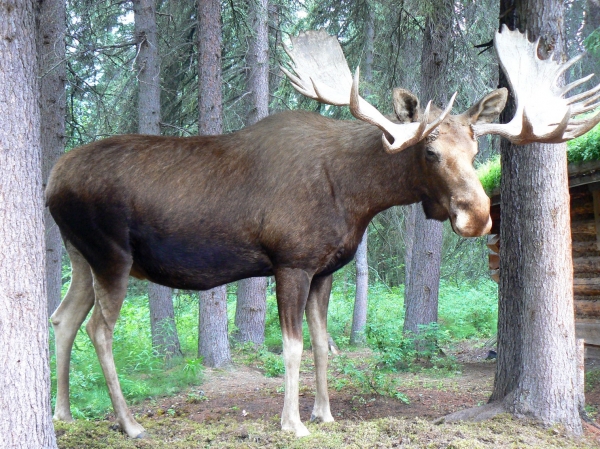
{"points": [[24, 369], [213, 341], [422, 286], [421, 301], [409, 240], [51, 57], [251, 304], [165, 340], [251, 310], [536, 372], [359, 316]]}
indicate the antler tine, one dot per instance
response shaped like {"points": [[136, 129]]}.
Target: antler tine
{"points": [[584, 125], [543, 113], [582, 96], [441, 117], [575, 84], [562, 68]]}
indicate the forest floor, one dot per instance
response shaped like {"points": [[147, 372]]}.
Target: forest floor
{"points": [[240, 407]]}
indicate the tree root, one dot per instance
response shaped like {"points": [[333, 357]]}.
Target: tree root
{"points": [[475, 414]]}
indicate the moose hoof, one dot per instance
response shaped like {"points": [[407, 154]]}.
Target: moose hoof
{"points": [[63, 417], [141, 436], [321, 419], [298, 428]]}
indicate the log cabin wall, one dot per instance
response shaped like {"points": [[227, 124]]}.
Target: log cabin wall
{"points": [[584, 188]]}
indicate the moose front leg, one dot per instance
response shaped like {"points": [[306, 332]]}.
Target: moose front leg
{"points": [[292, 292], [316, 315]]}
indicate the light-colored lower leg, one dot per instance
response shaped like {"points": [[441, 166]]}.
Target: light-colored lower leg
{"points": [[66, 321], [109, 298], [290, 417], [317, 326]]}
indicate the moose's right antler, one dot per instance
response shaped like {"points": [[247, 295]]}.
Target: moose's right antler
{"points": [[542, 113], [322, 73]]}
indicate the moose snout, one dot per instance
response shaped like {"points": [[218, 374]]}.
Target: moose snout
{"points": [[471, 218]]}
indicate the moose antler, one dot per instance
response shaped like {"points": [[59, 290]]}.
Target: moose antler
{"points": [[322, 74], [542, 114]]}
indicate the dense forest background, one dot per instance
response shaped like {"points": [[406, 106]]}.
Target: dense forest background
{"points": [[102, 89]]}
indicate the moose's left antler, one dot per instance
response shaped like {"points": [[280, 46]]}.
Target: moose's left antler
{"points": [[543, 114]]}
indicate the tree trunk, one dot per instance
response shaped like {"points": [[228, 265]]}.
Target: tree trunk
{"points": [[251, 304], [24, 369], [422, 286], [409, 240], [359, 316], [421, 298], [213, 342], [536, 369], [251, 310], [51, 57], [165, 340]]}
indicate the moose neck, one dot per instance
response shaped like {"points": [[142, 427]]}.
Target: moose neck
{"points": [[371, 179]]}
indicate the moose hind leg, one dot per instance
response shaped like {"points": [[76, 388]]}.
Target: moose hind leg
{"points": [[316, 316], [292, 291], [110, 292], [66, 321]]}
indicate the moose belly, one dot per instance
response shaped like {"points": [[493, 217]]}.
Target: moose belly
{"points": [[194, 264]]}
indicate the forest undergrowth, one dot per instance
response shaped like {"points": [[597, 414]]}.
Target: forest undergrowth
{"points": [[467, 310]]}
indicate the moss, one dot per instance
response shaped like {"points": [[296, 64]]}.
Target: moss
{"points": [[179, 433]]}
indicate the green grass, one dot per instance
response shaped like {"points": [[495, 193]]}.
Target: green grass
{"points": [[583, 149]]}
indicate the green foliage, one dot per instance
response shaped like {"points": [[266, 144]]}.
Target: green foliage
{"points": [[592, 379], [366, 379], [489, 174], [592, 43], [585, 148], [469, 310], [395, 350], [272, 363]]}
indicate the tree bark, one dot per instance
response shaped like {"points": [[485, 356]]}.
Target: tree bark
{"points": [[51, 57], [251, 307], [536, 371], [250, 312], [213, 342], [165, 340], [24, 369], [422, 285], [359, 316]]}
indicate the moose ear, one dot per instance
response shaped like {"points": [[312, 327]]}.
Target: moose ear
{"points": [[488, 108], [406, 105]]}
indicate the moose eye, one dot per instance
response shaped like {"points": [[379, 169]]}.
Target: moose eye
{"points": [[431, 155]]}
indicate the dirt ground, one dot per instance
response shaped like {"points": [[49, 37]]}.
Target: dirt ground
{"points": [[236, 397]]}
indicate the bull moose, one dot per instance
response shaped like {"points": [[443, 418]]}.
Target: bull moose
{"points": [[290, 196]]}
